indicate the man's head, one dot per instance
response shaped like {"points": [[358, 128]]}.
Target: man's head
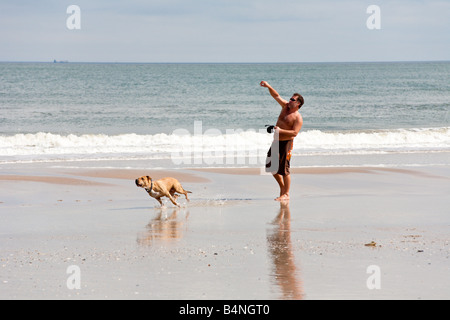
{"points": [[296, 101]]}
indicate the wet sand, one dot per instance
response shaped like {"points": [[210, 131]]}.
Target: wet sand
{"points": [[232, 241]]}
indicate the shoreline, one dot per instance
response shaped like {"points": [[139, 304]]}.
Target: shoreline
{"points": [[77, 176]]}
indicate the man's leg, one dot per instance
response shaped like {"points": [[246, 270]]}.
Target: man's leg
{"points": [[280, 180], [285, 164], [287, 187]]}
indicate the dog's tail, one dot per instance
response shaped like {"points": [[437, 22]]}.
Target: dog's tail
{"points": [[187, 191]]}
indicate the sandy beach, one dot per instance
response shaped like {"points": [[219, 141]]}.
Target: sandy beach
{"points": [[232, 241]]}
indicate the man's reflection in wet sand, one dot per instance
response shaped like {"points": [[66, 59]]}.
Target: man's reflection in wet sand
{"points": [[165, 227], [284, 270]]}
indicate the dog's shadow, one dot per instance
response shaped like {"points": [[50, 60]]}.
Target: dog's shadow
{"points": [[168, 225]]}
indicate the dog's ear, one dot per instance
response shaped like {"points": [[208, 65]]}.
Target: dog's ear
{"points": [[149, 178]]}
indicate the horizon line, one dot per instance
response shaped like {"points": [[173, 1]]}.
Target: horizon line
{"points": [[211, 62]]}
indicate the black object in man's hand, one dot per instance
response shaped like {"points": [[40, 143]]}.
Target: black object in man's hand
{"points": [[270, 129]]}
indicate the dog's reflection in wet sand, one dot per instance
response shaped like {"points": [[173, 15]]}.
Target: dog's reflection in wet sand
{"points": [[167, 226]]}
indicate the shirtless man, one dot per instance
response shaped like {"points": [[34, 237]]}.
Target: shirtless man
{"points": [[288, 126]]}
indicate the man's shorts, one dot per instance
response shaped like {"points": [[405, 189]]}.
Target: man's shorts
{"points": [[283, 160]]}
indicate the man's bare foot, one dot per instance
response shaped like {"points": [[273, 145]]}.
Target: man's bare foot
{"points": [[284, 197]]}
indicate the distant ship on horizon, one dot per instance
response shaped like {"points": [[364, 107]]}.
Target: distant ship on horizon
{"points": [[62, 61]]}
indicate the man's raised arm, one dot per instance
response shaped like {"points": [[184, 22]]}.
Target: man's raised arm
{"points": [[274, 94]]}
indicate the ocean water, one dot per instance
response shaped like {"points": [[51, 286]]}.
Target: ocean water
{"points": [[184, 115]]}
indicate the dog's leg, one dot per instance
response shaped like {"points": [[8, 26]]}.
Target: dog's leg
{"points": [[168, 193], [172, 199], [178, 188], [157, 198], [160, 202], [172, 193]]}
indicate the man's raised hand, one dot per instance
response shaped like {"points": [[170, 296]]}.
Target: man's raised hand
{"points": [[264, 84]]}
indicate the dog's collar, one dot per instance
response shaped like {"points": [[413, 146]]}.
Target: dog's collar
{"points": [[151, 187]]}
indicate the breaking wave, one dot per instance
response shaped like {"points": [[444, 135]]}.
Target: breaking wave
{"points": [[50, 146]]}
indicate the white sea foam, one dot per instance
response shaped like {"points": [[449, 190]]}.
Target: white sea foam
{"points": [[239, 143], [431, 139]]}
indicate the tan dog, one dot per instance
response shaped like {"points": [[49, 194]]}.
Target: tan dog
{"points": [[165, 187]]}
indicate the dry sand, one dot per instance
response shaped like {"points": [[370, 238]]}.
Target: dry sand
{"points": [[232, 241]]}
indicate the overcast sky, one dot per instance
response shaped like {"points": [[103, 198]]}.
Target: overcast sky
{"points": [[224, 31]]}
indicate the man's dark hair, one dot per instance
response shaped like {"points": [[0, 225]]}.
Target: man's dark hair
{"points": [[299, 98]]}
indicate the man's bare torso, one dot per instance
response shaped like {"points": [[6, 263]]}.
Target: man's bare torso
{"points": [[287, 120]]}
